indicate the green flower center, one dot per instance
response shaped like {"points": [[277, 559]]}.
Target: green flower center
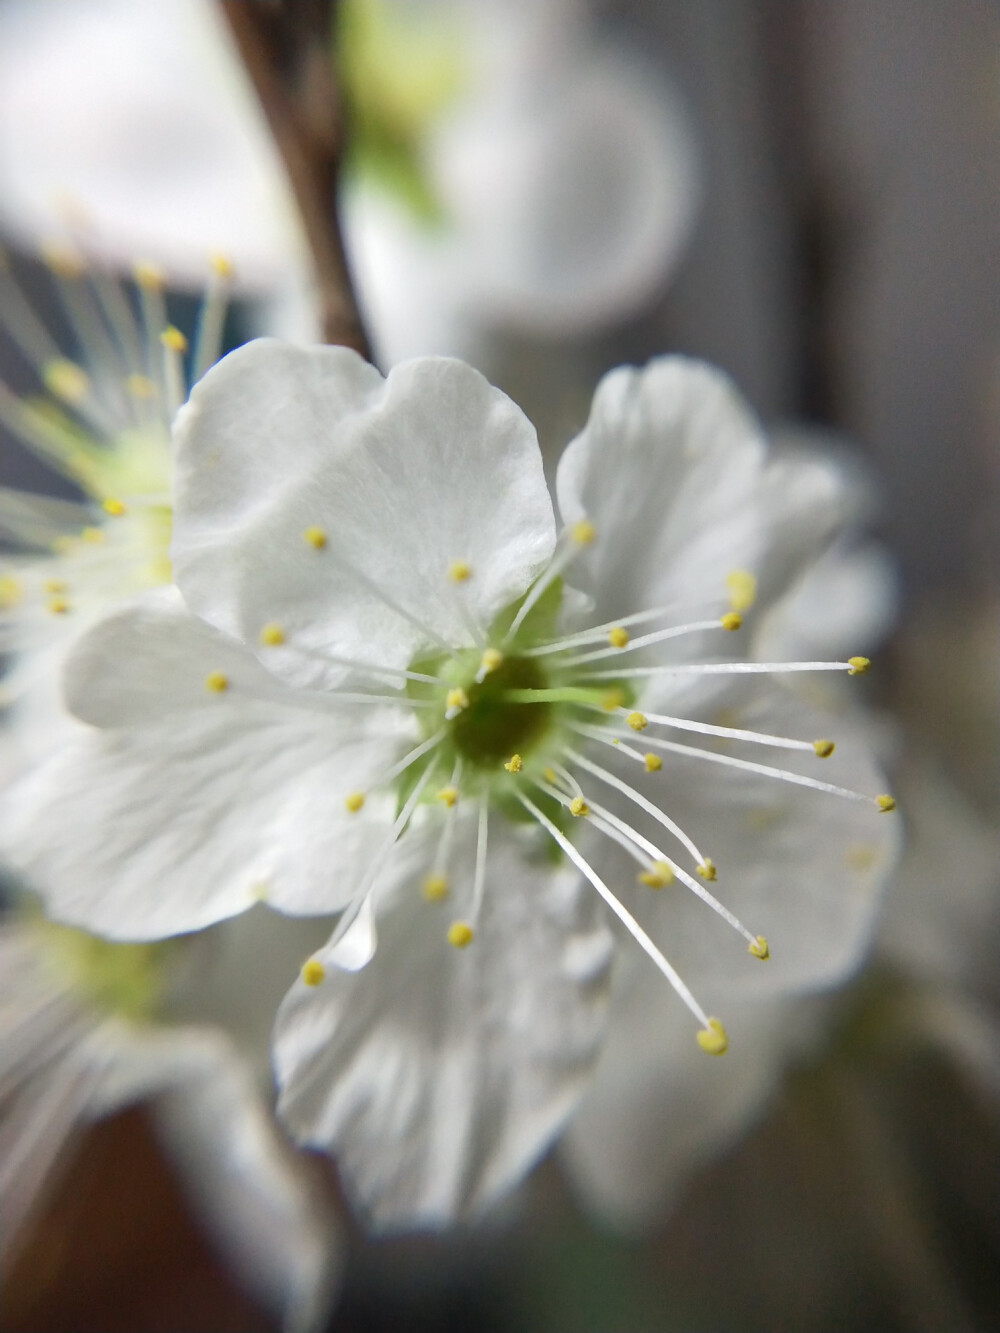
{"points": [[492, 728]]}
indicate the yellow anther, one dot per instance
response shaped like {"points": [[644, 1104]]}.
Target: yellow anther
{"points": [[583, 532], [354, 801], [549, 774], [857, 666], [460, 934], [515, 763], [313, 972], [64, 261], [54, 585], [148, 276], [272, 635], [742, 587], [435, 888], [490, 660], [658, 876], [459, 571], [707, 869], [824, 749], [221, 265], [613, 698], [63, 545], [456, 700], [11, 592], [217, 682], [759, 948], [713, 1039], [578, 806], [448, 796], [653, 763], [140, 386], [173, 339], [618, 637], [637, 721], [92, 535], [113, 506], [58, 606], [885, 803], [732, 620], [66, 380], [314, 537]]}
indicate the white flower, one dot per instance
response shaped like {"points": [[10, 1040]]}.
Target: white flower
{"points": [[519, 172], [91, 1027], [377, 691]]}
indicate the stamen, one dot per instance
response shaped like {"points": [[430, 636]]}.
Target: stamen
{"points": [[710, 729], [713, 1039], [175, 346], [460, 934], [731, 621], [885, 803], [581, 534], [742, 587], [618, 637], [643, 641], [217, 682], [725, 668], [858, 666], [208, 339], [621, 912], [479, 878], [315, 537], [448, 796], [491, 659], [455, 701], [411, 757], [637, 799], [459, 571], [313, 972], [355, 801], [436, 888], [514, 764], [579, 807], [318, 655]]}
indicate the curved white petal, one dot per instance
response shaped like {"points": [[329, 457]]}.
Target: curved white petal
{"points": [[438, 1075], [801, 867], [396, 479], [136, 124]]}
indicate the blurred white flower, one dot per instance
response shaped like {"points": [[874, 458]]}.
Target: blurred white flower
{"points": [[375, 641], [89, 1029], [524, 172]]}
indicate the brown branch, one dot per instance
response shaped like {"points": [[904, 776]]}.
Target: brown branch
{"points": [[286, 46]]}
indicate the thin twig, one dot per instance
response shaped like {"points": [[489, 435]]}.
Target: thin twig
{"points": [[287, 50]]}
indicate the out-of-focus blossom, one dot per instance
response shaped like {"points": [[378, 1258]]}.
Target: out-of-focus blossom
{"points": [[134, 128], [522, 173], [91, 1027], [371, 645]]}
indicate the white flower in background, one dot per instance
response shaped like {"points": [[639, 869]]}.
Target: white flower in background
{"points": [[134, 127], [378, 697], [521, 172], [91, 1027]]}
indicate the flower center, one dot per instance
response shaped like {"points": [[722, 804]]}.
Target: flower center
{"points": [[492, 728]]}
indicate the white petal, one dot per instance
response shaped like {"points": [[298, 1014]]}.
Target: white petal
{"points": [[668, 468], [437, 1076], [803, 868], [169, 826], [403, 477]]}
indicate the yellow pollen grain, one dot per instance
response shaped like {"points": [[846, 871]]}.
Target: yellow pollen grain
{"points": [[583, 532], [148, 276], [759, 948], [515, 763], [435, 888], [490, 660], [579, 807], [637, 721], [658, 876], [549, 774], [66, 380], [824, 749], [315, 537], [313, 972], [459, 571], [858, 666], [742, 586], [732, 620], [217, 682], [713, 1039], [113, 506], [448, 796], [221, 265], [619, 636], [707, 869], [272, 635], [653, 763], [460, 934], [58, 606], [11, 592], [457, 699], [173, 339], [140, 386], [885, 803], [354, 801]]}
